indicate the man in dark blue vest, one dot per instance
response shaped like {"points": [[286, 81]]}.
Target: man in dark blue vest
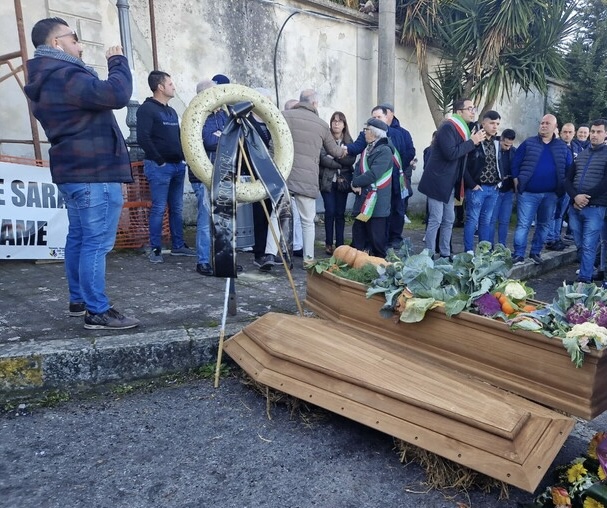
{"points": [[586, 184], [538, 169]]}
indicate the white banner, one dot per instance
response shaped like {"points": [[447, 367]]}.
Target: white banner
{"points": [[33, 218]]}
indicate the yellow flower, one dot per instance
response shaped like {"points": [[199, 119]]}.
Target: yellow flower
{"points": [[597, 438], [560, 497], [576, 473], [601, 474], [592, 503]]}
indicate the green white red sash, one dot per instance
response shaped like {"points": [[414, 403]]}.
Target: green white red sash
{"points": [[464, 131], [366, 210], [398, 164], [460, 126]]}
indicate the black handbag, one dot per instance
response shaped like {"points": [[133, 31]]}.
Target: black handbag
{"points": [[343, 184]]}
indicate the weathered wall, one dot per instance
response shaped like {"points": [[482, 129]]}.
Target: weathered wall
{"points": [[197, 39]]}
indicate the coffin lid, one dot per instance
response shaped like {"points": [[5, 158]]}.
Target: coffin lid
{"points": [[403, 393]]}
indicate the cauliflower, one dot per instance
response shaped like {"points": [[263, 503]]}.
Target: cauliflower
{"points": [[583, 332], [515, 291]]}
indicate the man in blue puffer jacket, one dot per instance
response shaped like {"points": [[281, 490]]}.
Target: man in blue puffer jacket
{"points": [[538, 168]]}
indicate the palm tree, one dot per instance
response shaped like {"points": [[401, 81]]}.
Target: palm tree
{"points": [[486, 47]]}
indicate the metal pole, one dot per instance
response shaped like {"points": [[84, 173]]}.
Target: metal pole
{"points": [[135, 151], [386, 50]]}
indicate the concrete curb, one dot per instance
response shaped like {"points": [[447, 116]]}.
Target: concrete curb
{"points": [[28, 367], [551, 260]]}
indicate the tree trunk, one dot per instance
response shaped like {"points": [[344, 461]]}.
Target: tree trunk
{"points": [[435, 110]]}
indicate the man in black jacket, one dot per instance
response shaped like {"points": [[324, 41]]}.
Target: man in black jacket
{"points": [[482, 179], [159, 136], [586, 184], [445, 167]]}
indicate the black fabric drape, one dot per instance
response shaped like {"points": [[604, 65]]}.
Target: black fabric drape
{"points": [[223, 187]]}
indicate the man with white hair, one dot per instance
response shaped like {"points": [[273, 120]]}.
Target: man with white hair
{"points": [[310, 133]]}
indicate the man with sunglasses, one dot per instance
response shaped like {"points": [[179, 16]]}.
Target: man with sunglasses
{"points": [[89, 160]]}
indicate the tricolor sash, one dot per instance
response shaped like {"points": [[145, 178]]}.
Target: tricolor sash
{"points": [[398, 164], [464, 131], [460, 126], [366, 210]]}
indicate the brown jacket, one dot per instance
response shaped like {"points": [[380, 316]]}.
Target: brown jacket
{"points": [[310, 134]]}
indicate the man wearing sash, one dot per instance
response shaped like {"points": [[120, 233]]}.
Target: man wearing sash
{"points": [[444, 169], [372, 183]]}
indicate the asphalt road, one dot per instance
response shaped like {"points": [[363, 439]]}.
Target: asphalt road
{"points": [[192, 445]]}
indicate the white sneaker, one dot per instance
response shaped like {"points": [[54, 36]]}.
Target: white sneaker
{"points": [[471, 252], [407, 220]]}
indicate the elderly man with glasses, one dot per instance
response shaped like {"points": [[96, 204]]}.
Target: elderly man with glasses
{"points": [[442, 180]]}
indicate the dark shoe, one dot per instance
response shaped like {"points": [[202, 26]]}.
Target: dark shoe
{"points": [[518, 260], [204, 269], [597, 275], [298, 253], [329, 249], [156, 256], [79, 309], [536, 258], [265, 263], [111, 319], [183, 251], [239, 269], [556, 246]]}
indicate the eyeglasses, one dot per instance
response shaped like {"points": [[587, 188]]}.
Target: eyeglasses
{"points": [[472, 109], [72, 33], [337, 120], [365, 129]]}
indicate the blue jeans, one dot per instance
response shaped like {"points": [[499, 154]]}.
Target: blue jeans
{"points": [[166, 186], [528, 205], [335, 209], [501, 216], [203, 223], [479, 211], [586, 225], [556, 225], [93, 211]]}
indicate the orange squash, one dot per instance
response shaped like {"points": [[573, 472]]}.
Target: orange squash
{"points": [[362, 258], [346, 254], [377, 261]]}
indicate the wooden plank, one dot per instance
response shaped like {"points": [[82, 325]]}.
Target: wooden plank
{"points": [[521, 461], [321, 346]]}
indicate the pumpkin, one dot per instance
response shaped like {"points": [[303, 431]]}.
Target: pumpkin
{"points": [[362, 258], [346, 254], [377, 261]]}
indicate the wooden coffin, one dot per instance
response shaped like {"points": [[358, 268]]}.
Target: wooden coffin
{"points": [[525, 363], [397, 390]]}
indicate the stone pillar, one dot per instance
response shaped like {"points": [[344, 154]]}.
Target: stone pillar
{"points": [[386, 51]]}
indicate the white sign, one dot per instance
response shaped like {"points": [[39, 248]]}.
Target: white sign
{"points": [[33, 218]]}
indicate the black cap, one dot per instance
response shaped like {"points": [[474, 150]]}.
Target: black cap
{"points": [[375, 122]]}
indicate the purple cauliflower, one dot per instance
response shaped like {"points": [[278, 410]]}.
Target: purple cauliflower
{"points": [[600, 314], [578, 314], [488, 305]]}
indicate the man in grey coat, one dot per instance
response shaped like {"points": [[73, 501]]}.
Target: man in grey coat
{"points": [[310, 134]]}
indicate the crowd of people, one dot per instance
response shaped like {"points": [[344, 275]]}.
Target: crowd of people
{"points": [[550, 176]]}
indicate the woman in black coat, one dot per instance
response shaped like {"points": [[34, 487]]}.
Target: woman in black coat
{"points": [[334, 194]]}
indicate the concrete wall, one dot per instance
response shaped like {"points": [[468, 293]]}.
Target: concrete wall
{"points": [[197, 39]]}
